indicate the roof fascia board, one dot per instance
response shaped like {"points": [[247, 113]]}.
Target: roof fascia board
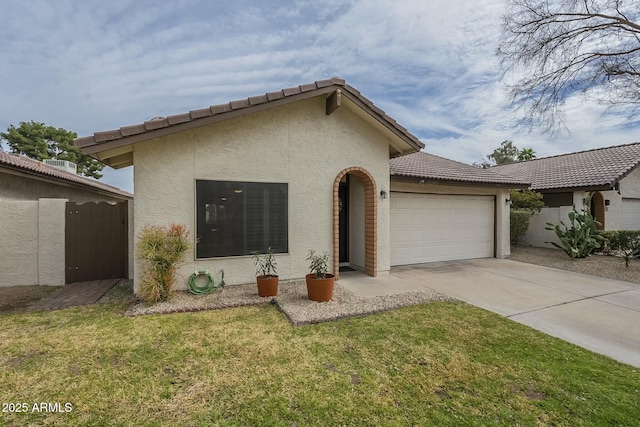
{"points": [[570, 189], [451, 182]]}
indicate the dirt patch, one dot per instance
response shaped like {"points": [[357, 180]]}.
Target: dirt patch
{"points": [[18, 298], [609, 266]]}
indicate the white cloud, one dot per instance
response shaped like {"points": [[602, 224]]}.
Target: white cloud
{"points": [[95, 65]]}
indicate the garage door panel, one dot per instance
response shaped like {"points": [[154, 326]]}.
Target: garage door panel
{"points": [[631, 214], [440, 227]]}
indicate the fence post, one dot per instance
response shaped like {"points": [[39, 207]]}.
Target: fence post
{"points": [[51, 238]]}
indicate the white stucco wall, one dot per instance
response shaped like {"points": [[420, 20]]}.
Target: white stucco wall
{"points": [[503, 248], [296, 144], [629, 187]]}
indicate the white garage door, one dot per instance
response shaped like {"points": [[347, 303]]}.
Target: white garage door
{"points": [[429, 227], [630, 214]]}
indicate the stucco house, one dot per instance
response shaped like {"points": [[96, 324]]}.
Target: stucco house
{"points": [[298, 169], [34, 197], [610, 176]]}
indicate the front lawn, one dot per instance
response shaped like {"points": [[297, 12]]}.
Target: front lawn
{"points": [[439, 364]]}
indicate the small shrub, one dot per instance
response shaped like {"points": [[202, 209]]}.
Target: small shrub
{"points": [[161, 250], [626, 242], [581, 238], [519, 223], [319, 264], [265, 265]]}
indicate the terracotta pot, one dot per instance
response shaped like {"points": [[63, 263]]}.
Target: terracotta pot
{"points": [[267, 286], [320, 290]]}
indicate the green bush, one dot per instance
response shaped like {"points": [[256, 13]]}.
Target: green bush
{"points": [[161, 249], [526, 200], [623, 240], [581, 238], [519, 223]]}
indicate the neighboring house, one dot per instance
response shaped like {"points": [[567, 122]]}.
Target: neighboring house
{"points": [[34, 196], [298, 169], [610, 176]]}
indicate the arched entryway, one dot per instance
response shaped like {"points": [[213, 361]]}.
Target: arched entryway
{"points": [[597, 208], [355, 207]]}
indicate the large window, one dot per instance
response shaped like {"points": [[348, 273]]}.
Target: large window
{"points": [[237, 218]]}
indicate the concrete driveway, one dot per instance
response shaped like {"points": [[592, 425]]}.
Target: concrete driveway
{"points": [[599, 314]]}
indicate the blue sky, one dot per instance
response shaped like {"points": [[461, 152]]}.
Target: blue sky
{"points": [[89, 66]]}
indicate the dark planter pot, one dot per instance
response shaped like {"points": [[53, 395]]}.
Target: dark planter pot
{"points": [[267, 286], [320, 290]]}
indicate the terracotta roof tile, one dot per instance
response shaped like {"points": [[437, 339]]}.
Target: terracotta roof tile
{"points": [[200, 113], [432, 167], [156, 123], [35, 167], [601, 167], [272, 96], [261, 99], [132, 130], [105, 137], [219, 109], [179, 118]]}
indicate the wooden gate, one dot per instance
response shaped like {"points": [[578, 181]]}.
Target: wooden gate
{"points": [[96, 245]]}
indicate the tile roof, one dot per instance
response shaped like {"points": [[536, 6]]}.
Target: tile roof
{"points": [[101, 141], [35, 167], [429, 166], [598, 169]]}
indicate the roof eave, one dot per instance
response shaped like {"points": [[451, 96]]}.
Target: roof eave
{"points": [[19, 171], [454, 182]]}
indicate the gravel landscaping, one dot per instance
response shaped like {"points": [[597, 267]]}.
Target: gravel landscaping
{"points": [[611, 267], [292, 296], [291, 300]]}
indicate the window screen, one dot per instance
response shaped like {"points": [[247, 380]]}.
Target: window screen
{"points": [[238, 218]]}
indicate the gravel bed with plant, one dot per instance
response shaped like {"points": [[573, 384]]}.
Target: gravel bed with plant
{"points": [[292, 301], [609, 266]]}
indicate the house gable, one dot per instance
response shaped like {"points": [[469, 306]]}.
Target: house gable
{"points": [[115, 147]]}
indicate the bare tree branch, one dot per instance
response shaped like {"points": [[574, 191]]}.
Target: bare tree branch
{"points": [[558, 49]]}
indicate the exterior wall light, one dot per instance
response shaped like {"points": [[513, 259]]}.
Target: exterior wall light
{"points": [[383, 194], [508, 201]]}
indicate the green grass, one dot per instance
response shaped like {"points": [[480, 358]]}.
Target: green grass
{"points": [[437, 364]]}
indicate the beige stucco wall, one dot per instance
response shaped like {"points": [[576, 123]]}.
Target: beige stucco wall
{"points": [[32, 242], [51, 242], [503, 248], [19, 248], [296, 144]]}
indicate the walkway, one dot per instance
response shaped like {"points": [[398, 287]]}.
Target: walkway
{"points": [[75, 294]]}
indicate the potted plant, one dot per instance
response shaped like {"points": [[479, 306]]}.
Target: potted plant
{"points": [[266, 275], [319, 282]]}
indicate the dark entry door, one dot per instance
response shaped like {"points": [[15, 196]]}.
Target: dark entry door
{"points": [[343, 194], [96, 244]]}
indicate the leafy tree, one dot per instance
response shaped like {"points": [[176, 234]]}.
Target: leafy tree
{"points": [[558, 48], [526, 154], [40, 142], [509, 153]]}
